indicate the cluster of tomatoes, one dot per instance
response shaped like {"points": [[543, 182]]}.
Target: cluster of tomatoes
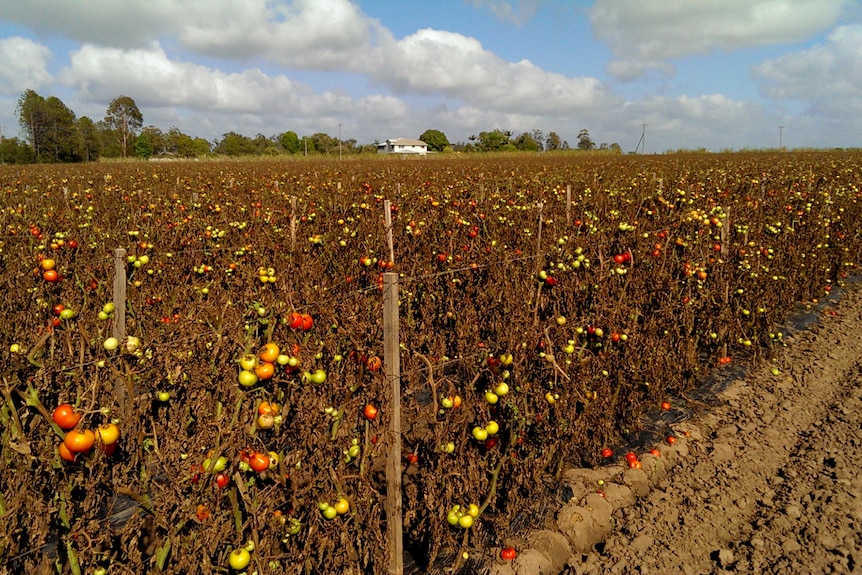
{"points": [[48, 269], [81, 440]]}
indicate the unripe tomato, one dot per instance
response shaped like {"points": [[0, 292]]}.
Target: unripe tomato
{"points": [[247, 378], [465, 521], [47, 264], [108, 433], [239, 559], [79, 440], [65, 416]]}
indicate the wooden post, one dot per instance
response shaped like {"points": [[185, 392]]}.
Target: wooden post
{"points": [[119, 324], [392, 364], [568, 205], [540, 206], [292, 223], [387, 215]]}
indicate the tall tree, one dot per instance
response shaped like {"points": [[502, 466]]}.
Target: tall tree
{"points": [[435, 139], [31, 118], [90, 142], [527, 143], [553, 142], [124, 117], [289, 142], [584, 140]]}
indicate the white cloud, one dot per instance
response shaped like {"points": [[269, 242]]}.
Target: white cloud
{"points": [[643, 33], [448, 63], [828, 76], [23, 65]]}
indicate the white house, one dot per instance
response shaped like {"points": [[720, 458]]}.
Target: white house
{"points": [[402, 146]]}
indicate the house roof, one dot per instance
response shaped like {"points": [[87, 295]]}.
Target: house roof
{"points": [[406, 142]]}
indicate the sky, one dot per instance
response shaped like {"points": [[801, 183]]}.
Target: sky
{"points": [[681, 74]]}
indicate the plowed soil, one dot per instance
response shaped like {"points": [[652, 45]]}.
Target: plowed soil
{"points": [[766, 482]]}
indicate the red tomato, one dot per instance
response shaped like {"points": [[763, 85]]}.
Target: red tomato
{"points": [[294, 320], [631, 456], [51, 276], [307, 322], [619, 258], [65, 416], [607, 452], [665, 405], [58, 309], [508, 553], [373, 363], [222, 479], [259, 461], [671, 439], [413, 458]]}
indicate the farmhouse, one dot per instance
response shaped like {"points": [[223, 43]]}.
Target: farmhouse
{"points": [[402, 146]]}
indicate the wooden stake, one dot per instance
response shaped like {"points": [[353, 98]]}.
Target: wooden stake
{"points": [[387, 215], [118, 327], [568, 205], [540, 206], [293, 223], [392, 364]]}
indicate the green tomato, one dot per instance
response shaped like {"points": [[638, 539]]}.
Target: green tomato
{"points": [[239, 559], [247, 378], [479, 434], [330, 512], [452, 517], [491, 397], [465, 521], [492, 427], [164, 396], [111, 343]]}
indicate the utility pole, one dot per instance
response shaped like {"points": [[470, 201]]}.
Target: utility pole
{"points": [[642, 141], [339, 141], [780, 137]]}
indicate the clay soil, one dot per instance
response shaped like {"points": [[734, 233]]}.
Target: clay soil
{"points": [[766, 481]]}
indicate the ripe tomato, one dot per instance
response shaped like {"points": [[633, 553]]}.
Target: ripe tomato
{"points": [[58, 309], [259, 461], [508, 553], [607, 452], [47, 264], [631, 456], [65, 416], [269, 352], [374, 363], [294, 320], [222, 479], [267, 408], [108, 433], [264, 370], [65, 453], [370, 412], [307, 322], [51, 276], [413, 458], [671, 439], [79, 440]]}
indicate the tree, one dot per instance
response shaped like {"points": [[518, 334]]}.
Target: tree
{"points": [[584, 141], [90, 142], [233, 144], [553, 142], [322, 143], [526, 142], [436, 140], [492, 141], [31, 118], [143, 147], [289, 142], [15, 151], [539, 138], [124, 118]]}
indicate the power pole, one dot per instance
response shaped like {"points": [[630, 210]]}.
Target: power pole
{"points": [[780, 137], [642, 141]]}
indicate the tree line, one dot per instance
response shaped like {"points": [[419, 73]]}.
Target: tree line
{"points": [[53, 133]]}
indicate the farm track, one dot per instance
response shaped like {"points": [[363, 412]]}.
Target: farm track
{"points": [[767, 482]]}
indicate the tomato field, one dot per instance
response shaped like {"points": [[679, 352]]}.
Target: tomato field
{"points": [[240, 421]]}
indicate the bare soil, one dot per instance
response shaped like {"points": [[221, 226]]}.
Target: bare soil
{"points": [[766, 482]]}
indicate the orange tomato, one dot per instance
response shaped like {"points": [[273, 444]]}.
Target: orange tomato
{"points": [[267, 408], [307, 322], [79, 440], [264, 370], [373, 363], [269, 352], [65, 453], [47, 264], [294, 320], [51, 276]]}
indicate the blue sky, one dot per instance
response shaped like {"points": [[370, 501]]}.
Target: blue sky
{"points": [[716, 74]]}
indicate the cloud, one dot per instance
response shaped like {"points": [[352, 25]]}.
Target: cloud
{"points": [[454, 65], [645, 33], [828, 76], [518, 12], [23, 65]]}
